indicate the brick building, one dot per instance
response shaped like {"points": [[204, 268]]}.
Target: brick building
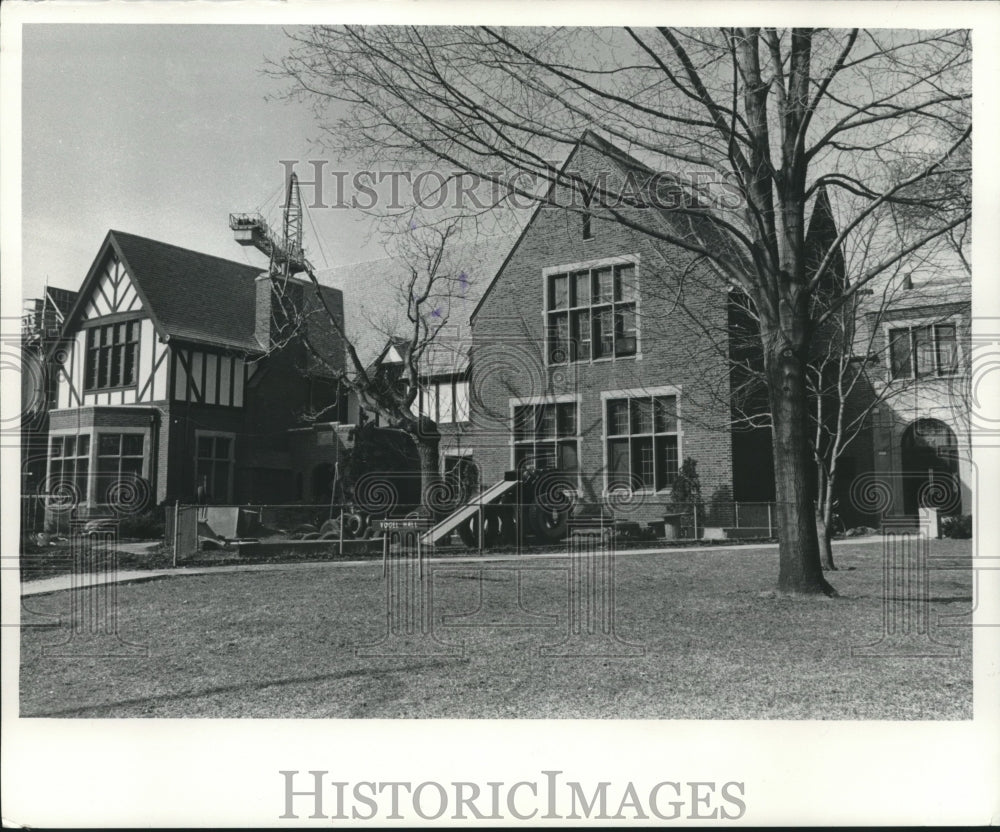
{"points": [[610, 355], [584, 358], [921, 436], [582, 345]]}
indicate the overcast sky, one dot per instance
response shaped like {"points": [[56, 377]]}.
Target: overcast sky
{"points": [[160, 131], [163, 130]]}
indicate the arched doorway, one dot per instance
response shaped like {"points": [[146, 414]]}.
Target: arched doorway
{"points": [[930, 467]]}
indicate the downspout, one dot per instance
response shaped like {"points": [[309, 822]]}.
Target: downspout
{"points": [[154, 454]]}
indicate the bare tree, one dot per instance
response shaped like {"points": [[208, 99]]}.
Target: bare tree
{"points": [[768, 115], [849, 373], [847, 384], [945, 194], [388, 385]]}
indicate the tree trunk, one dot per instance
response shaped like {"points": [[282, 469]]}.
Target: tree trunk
{"points": [[824, 512], [428, 441], [824, 531], [799, 569]]}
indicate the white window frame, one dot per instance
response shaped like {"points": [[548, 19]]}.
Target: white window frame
{"points": [[568, 268], [97, 327], [638, 393], [428, 401], [916, 323], [95, 442], [558, 398], [93, 433], [61, 435]]}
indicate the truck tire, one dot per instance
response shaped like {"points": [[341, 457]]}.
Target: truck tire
{"points": [[354, 525], [492, 526], [503, 519], [469, 534], [548, 526]]}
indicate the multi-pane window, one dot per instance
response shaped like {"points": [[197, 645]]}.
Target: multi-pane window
{"points": [[642, 442], [445, 401], [547, 436], [461, 401], [111, 355], [921, 351], [214, 467], [946, 349], [119, 458], [591, 314], [70, 463]]}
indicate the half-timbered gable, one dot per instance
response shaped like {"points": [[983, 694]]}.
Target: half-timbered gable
{"points": [[157, 323], [112, 355], [168, 375]]}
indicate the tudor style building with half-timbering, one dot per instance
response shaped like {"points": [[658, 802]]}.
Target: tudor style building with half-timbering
{"points": [[177, 382]]}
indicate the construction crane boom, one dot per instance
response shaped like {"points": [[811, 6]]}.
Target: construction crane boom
{"points": [[283, 250]]}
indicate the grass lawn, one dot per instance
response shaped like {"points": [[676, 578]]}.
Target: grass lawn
{"points": [[58, 560], [715, 642]]}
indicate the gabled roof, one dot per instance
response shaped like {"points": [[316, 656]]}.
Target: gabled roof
{"points": [[821, 234], [190, 296], [669, 190]]}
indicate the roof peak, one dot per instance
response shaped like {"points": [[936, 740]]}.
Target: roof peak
{"points": [[609, 147], [114, 232]]}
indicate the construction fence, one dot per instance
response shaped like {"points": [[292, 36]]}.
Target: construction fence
{"points": [[342, 529]]}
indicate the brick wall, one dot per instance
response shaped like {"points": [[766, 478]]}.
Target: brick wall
{"points": [[185, 419], [942, 399], [679, 336]]}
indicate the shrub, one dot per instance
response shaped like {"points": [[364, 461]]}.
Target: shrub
{"points": [[720, 508], [958, 527], [687, 484], [146, 526]]}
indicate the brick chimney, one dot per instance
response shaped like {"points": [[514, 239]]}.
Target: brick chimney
{"points": [[279, 303], [263, 322]]}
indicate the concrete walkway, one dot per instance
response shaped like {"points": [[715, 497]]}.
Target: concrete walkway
{"points": [[60, 583]]}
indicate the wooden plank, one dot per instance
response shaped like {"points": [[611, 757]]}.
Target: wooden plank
{"points": [[180, 376], [211, 376], [197, 375], [238, 382], [144, 366], [226, 381]]}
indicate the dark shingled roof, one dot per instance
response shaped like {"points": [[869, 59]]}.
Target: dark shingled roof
{"points": [[192, 296]]}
